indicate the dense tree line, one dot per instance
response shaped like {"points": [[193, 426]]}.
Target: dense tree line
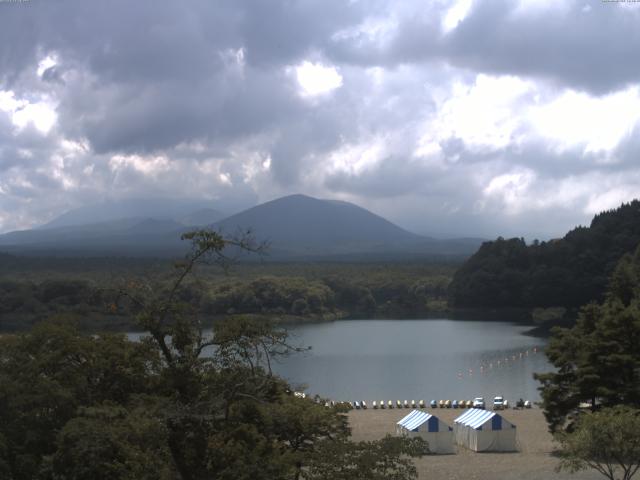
{"points": [[78, 406], [598, 360], [592, 398], [568, 272], [347, 292]]}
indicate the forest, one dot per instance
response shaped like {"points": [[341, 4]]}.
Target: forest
{"points": [[82, 406], [34, 289], [566, 272]]}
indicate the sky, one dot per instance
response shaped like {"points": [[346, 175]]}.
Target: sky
{"points": [[449, 118]]}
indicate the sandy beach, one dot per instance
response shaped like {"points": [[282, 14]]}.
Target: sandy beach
{"points": [[533, 461]]}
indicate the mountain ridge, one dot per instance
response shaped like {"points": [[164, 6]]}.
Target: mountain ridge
{"points": [[296, 226]]}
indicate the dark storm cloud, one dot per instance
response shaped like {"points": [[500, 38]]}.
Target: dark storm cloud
{"points": [[154, 74], [588, 45], [210, 87]]}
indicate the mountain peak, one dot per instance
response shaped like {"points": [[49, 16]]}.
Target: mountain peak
{"points": [[296, 226], [309, 223]]}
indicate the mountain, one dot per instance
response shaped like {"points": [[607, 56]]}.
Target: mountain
{"points": [[202, 217], [298, 220], [306, 227], [156, 208], [130, 236], [296, 227], [567, 272]]}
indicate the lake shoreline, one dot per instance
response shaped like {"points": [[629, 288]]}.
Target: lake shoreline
{"points": [[122, 324]]}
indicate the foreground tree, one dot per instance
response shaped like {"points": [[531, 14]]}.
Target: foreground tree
{"points": [[607, 441], [177, 404], [47, 376], [597, 361], [387, 459]]}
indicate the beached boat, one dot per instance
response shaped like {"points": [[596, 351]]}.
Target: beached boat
{"points": [[433, 404], [421, 403]]}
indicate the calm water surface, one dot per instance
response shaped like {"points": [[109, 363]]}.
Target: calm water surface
{"points": [[416, 359]]}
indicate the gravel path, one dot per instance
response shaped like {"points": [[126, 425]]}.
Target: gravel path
{"points": [[533, 461]]}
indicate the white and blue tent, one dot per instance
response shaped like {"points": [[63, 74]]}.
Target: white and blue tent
{"points": [[438, 434], [484, 431]]}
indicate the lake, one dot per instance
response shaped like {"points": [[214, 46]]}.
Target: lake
{"points": [[416, 359]]}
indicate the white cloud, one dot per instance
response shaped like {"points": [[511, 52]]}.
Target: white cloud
{"points": [[40, 114], [316, 79], [456, 14], [612, 197], [594, 123], [46, 63], [225, 179], [355, 159], [512, 189], [483, 114], [148, 165]]}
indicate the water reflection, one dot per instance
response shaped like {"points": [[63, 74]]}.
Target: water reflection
{"points": [[413, 359]]}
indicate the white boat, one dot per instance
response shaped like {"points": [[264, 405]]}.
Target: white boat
{"points": [[374, 405], [390, 404], [406, 404], [421, 403], [364, 405], [413, 404], [356, 404], [527, 404], [398, 404], [382, 404]]}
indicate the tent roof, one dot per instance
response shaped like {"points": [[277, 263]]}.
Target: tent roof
{"points": [[414, 419], [475, 418]]}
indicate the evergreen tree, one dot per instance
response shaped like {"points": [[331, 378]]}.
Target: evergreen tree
{"points": [[598, 360], [568, 272]]}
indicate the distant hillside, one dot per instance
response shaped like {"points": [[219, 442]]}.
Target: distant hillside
{"points": [[128, 236], [157, 208], [568, 272], [204, 216], [300, 221], [296, 227], [305, 227], [134, 227]]}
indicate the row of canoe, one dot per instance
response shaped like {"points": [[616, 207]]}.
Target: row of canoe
{"points": [[413, 404]]}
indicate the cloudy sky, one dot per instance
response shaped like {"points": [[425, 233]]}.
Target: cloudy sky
{"points": [[469, 117]]}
